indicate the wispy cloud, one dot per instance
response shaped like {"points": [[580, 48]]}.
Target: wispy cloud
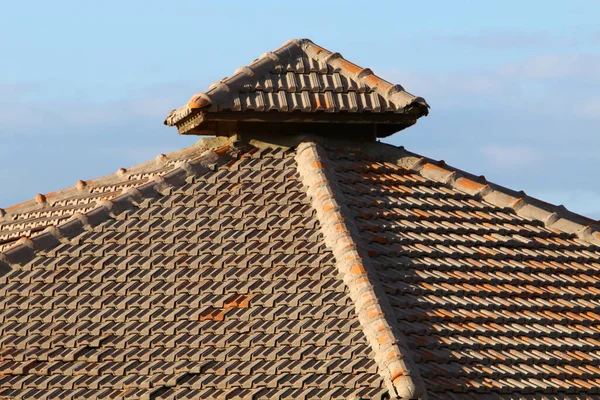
{"points": [[40, 117], [15, 90], [554, 66], [501, 39], [510, 157], [45, 146], [591, 108], [510, 40], [541, 84], [529, 124]]}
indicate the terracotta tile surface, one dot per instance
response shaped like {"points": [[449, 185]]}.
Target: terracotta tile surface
{"points": [[219, 288], [492, 304], [213, 279], [32, 217]]}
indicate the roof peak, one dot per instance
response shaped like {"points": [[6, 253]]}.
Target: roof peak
{"points": [[300, 87]]}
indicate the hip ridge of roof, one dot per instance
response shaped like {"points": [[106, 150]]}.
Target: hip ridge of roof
{"points": [[372, 306]]}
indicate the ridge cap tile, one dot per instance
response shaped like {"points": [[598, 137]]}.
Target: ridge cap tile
{"points": [[375, 314]]}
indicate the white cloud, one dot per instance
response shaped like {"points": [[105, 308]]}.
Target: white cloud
{"points": [[509, 157], [547, 85], [554, 66], [38, 117], [12, 90]]}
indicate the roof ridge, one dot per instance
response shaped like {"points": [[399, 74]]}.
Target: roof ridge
{"points": [[372, 306], [556, 217], [43, 199], [25, 249]]}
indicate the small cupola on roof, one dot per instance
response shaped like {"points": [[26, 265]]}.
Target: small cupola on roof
{"points": [[300, 88]]}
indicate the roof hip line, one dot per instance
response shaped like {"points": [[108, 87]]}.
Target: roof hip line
{"points": [[374, 312], [25, 249]]}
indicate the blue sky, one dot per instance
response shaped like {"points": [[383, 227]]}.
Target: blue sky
{"points": [[514, 86]]}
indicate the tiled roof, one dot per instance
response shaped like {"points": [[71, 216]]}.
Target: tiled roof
{"points": [[47, 210], [213, 283], [492, 301], [304, 271], [300, 77]]}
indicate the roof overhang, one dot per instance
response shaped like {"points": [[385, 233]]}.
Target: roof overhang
{"points": [[226, 123]]}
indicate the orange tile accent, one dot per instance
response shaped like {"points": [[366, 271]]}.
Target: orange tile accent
{"points": [[393, 353], [358, 269], [373, 312], [222, 150], [398, 379], [328, 205], [379, 325], [517, 201], [362, 282], [238, 301], [339, 227], [385, 338], [345, 242], [237, 187], [197, 101], [17, 205], [51, 194], [317, 102], [371, 228], [468, 184], [368, 298], [320, 49], [317, 164], [213, 314], [363, 214], [350, 67], [433, 167], [421, 214], [374, 80], [352, 256], [380, 239]]}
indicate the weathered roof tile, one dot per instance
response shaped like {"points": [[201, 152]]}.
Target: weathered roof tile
{"points": [[133, 308]]}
